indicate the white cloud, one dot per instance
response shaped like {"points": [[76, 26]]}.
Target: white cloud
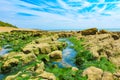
{"points": [[71, 18], [102, 9], [86, 4], [63, 4], [102, 1]]}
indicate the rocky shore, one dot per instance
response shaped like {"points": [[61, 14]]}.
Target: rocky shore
{"points": [[102, 44], [38, 48]]}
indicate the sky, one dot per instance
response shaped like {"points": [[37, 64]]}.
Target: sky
{"points": [[61, 14]]}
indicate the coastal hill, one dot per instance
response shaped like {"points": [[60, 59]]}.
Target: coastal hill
{"points": [[4, 24], [7, 27]]}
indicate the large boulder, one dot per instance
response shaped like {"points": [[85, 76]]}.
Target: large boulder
{"points": [[56, 54], [103, 32], [93, 73], [44, 48], [91, 31]]}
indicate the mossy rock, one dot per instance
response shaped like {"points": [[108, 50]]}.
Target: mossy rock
{"points": [[115, 36], [11, 61], [56, 54], [7, 65], [91, 31], [44, 48], [103, 31]]}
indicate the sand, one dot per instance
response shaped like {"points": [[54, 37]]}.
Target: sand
{"points": [[8, 29]]}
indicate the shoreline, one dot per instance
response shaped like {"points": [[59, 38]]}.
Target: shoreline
{"points": [[8, 29]]}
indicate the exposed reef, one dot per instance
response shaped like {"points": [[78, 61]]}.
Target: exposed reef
{"points": [[32, 52]]}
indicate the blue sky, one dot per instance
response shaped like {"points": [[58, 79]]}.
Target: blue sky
{"points": [[61, 14]]}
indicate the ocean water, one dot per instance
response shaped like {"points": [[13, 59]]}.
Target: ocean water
{"points": [[108, 29], [112, 29]]}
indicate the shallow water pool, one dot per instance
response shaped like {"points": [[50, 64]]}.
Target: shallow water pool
{"points": [[68, 55]]}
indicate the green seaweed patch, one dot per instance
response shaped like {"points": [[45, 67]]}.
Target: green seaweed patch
{"points": [[65, 73]]}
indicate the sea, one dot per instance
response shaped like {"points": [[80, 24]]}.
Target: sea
{"points": [[108, 29]]}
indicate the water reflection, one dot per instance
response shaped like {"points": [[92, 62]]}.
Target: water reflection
{"points": [[68, 55], [4, 50]]}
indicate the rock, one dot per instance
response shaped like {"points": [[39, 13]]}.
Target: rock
{"points": [[47, 75], [36, 51], [55, 37], [103, 37], [44, 45], [44, 48], [103, 31], [115, 36], [8, 64], [103, 45], [94, 50], [75, 69], [65, 34], [91, 31], [54, 47], [28, 48], [12, 77], [93, 73], [39, 68], [56, 54], [115, 60], [117, 75], [43, 40], [11, 60], [41, 48], [107, 76]]}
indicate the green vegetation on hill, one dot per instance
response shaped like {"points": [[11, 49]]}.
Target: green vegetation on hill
{"points": [[4, 24]]}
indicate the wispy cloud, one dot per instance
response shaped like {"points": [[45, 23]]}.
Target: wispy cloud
{"points": [[60, 14], [25, 14]]}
